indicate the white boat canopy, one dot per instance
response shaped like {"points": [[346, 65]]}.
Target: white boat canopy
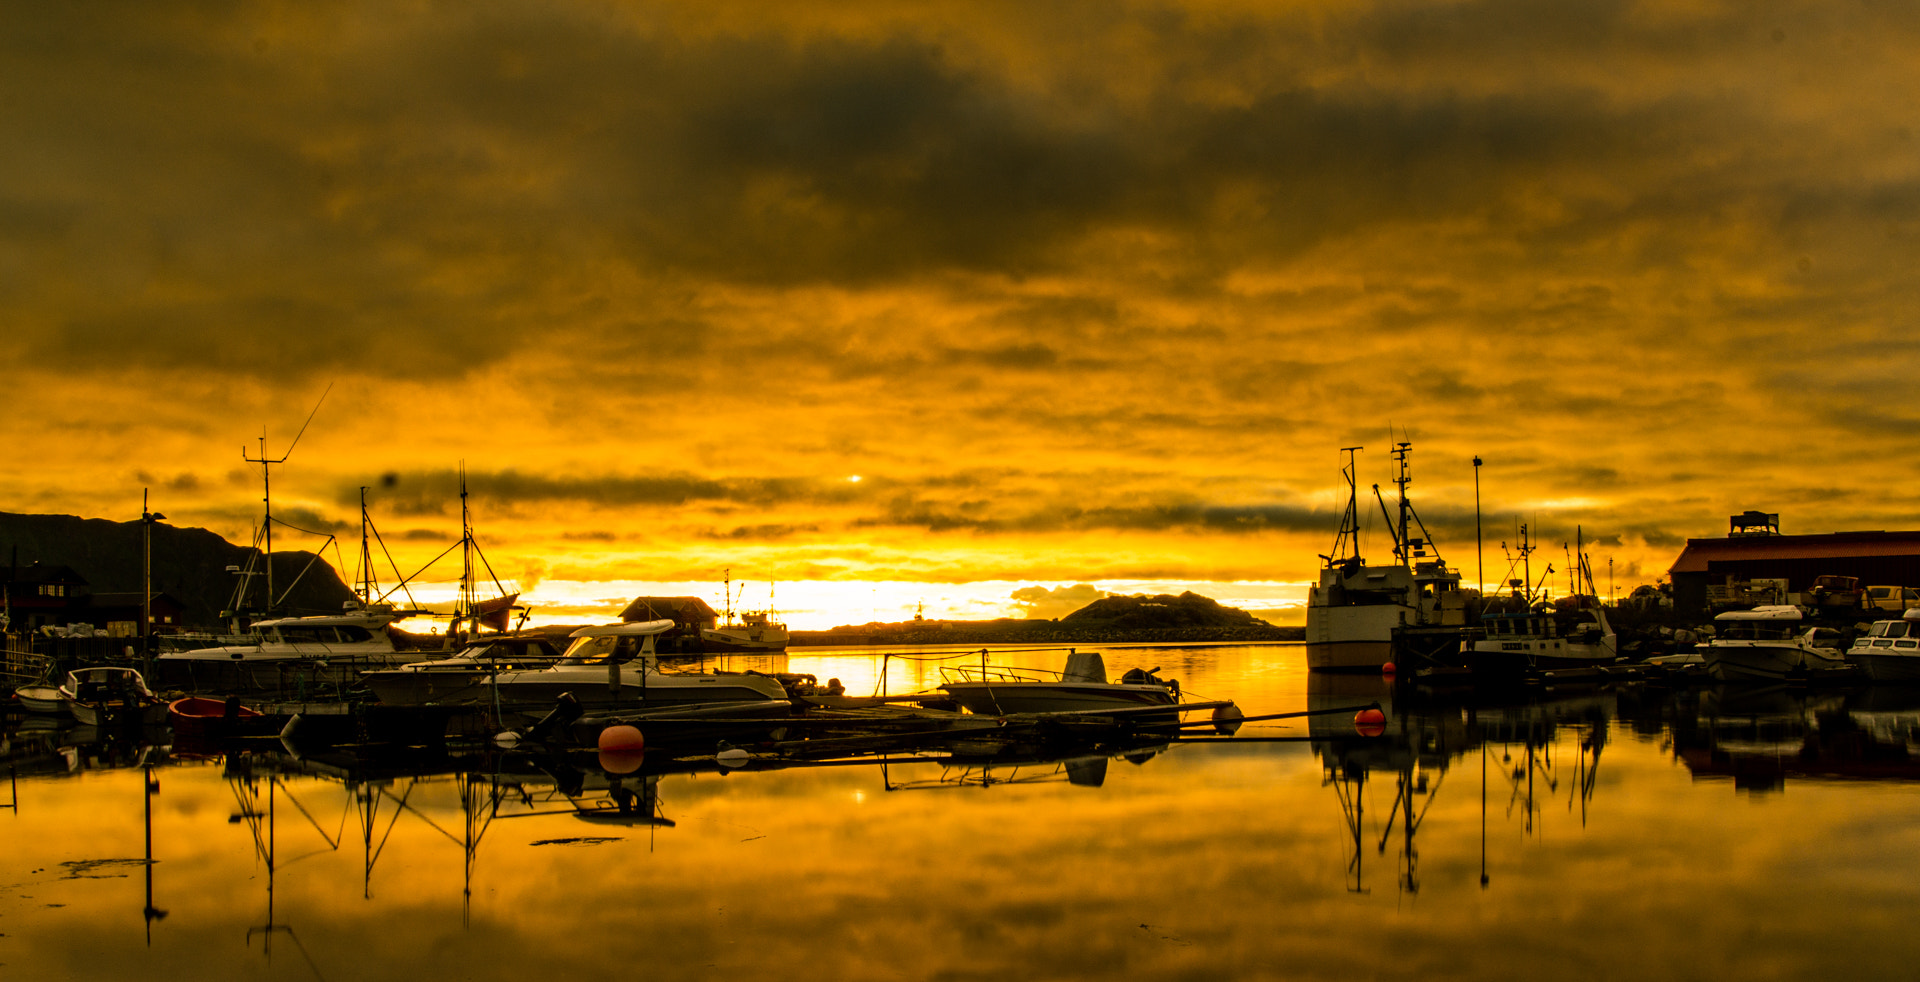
{"points": [[636, 627], [1768, 612]]}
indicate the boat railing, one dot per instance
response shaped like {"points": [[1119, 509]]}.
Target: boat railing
{"points": [[998, 674]]}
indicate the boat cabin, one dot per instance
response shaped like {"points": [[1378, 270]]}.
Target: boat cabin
{"points": [[1898, 634], [1777, 622], [317, 633]]}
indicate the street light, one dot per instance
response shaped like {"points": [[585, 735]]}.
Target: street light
{"points": [[147, 519]]}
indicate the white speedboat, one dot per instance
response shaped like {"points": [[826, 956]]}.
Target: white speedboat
{"points": [[1000, 691], [615, 667], [1768, 644], [1890, 650], [289, 649]]}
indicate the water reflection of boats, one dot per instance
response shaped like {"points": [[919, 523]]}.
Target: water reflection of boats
{"points": [[1869, 735], [1427, 732]]}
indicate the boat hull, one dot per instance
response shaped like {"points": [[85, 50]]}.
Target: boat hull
{"points": [[989, 699], [1889, 667], [42, 700], [1353, 638], [1753, 661]]}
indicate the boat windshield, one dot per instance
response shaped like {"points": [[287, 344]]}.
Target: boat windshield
{"points": [[1895, 629], [599, 650], [1756, 630]]}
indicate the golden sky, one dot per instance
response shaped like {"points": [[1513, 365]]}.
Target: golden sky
{"points": [[1082, 293]]}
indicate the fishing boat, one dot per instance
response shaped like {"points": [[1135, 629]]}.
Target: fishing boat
{"points": [[756, 631], [1408, 612], [111, 695], [1890, 650], [994, 690], [1768, 643], [1539, 636], [752, 632]]}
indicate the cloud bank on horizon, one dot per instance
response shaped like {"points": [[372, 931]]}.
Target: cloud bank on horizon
{"points": [[1083, 292]]}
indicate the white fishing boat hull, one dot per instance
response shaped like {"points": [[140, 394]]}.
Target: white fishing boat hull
{"points": [[743, 639], [1352, 638]]}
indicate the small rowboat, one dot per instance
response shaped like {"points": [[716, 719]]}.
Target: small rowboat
{"points": [[43, 700], [203, 719]]}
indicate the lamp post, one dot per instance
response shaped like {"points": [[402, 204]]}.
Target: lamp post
{"points": [[147, 518], [1479, 553]]}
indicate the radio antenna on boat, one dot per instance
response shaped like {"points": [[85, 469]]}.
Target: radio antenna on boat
{"points": [[266, 483]]}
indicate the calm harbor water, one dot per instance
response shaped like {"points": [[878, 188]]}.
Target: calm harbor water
{"points": [[1591, 833]]}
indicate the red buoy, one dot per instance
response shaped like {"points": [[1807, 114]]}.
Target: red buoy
{"points": [[1370, 722], [1386, 669]]}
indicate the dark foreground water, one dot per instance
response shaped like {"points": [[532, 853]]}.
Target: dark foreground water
{"points": [[1588, 833]]}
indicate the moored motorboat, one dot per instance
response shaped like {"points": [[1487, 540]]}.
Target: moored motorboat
{"points": [[1768, 643], [288, 651], [994, 690], [615, 667], [420, 683], [111, 695], [1890, 650], [207, 720]]}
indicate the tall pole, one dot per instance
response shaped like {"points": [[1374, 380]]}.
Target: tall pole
{"points": [[147, 518], [1479, 549]]}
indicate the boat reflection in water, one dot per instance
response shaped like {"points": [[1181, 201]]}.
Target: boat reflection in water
{"points": [[1426, 733], [1047, 855], [1761, 738]]}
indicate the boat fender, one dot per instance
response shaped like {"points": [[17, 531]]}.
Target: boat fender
{"points": [[1226, 719], [731, 757]]}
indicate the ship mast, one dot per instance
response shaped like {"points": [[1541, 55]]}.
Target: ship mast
{"points": [[1346, 545], [366, 555]]}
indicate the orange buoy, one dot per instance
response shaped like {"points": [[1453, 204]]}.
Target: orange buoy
{"points": [[622, 738], [1370, 722], [622, 749], [1386, 669]]}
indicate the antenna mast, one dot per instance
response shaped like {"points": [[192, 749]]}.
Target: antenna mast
{"points": [[1349, 537], [266, 484]]}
